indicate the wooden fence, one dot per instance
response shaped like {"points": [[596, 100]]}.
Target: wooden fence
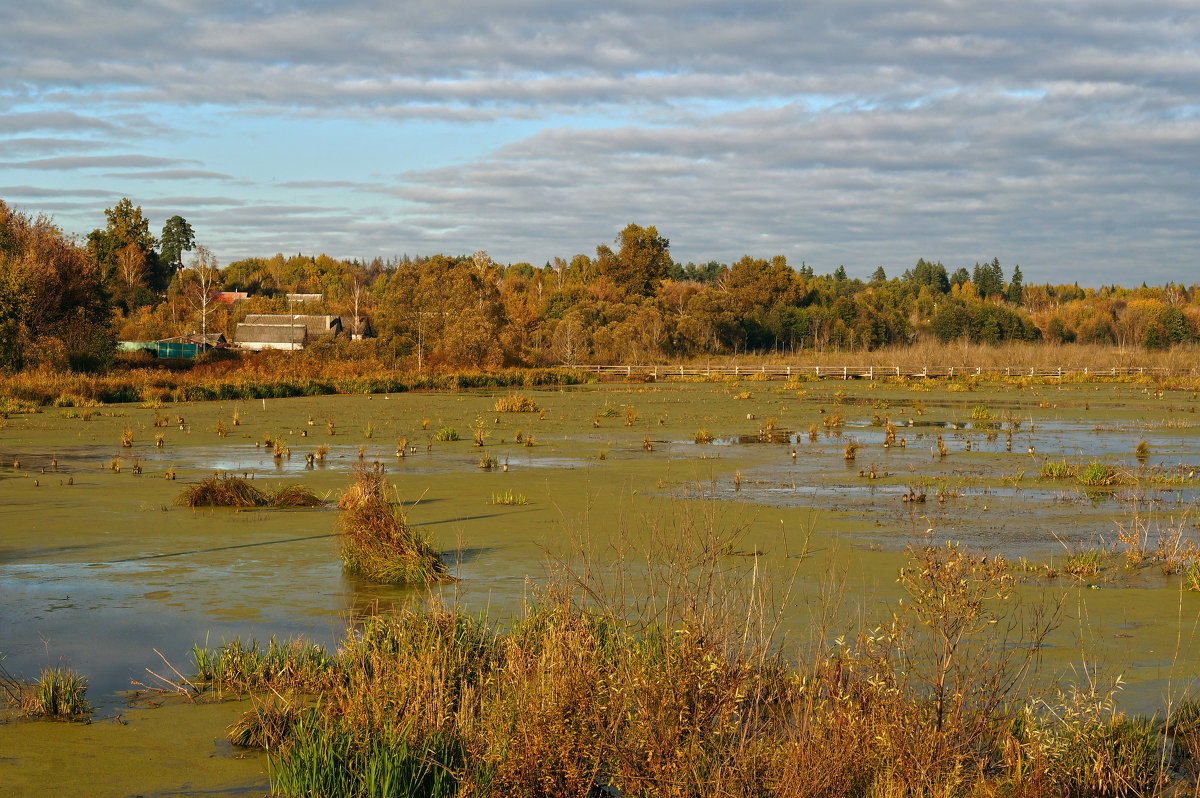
{"points": [[775, 372]]}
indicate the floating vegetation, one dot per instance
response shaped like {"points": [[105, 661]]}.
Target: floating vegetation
{"points": [[1142, 451], [516, 403], [227, 491], [703, 435], [487, 462], [377, 542]]}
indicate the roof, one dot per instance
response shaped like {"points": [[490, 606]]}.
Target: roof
{"points": [[315, 325], [364, 326], [271, 333]]}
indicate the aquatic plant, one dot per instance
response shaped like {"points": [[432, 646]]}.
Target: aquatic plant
{"points": [[446, 434], [127, 438], [1057, 470], [703, 435], [1100, 475], [631, 415], [1143, 450], [487, 462], [268, 723], [1085, 563], [376, 541], [59, 693], [479, 432], [508, 498], [516, 403], [222, 430], [228, 491]]}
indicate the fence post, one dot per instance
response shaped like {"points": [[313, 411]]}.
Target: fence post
{"points": [[789, 368], [845, 374], [656, 373]]}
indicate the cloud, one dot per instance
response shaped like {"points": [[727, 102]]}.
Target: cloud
{"points": [[76, 162], [173, 174], [1063, 136]]}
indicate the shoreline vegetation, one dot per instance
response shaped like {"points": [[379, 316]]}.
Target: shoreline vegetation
{"points": [[684, 690], [341, 369]]}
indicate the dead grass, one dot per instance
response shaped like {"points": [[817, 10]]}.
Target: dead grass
{"points": [[377, 542], [229, 491]]}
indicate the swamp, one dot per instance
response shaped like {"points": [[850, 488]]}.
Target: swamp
{"points": [[815, 497]]}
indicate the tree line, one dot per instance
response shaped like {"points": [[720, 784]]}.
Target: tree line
{"points": [[63, 302]]}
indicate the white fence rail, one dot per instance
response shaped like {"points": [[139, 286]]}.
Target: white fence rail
{"points": [[777, 372]]}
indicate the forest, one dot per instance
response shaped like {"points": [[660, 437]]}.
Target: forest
{"points": [[64, 303]]}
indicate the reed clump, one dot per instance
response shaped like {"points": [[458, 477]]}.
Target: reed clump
{"points": [[58, 694], [376, 541], [516, 403], [222, 490]]}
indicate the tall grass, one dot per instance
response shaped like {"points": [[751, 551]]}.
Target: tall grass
{"points": [[229, 491], [516, 403], [58, 694], [679, 687], [376, 540]]}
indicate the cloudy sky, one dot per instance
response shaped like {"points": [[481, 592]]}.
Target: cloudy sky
{"points": [[1063, 136]]}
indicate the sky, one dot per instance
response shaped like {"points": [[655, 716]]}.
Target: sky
{"points": [[1058, 135]]}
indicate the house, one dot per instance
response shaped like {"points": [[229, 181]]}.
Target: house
{"points": [[229, 297], [305, 298], [260, 331], [364, 328]]}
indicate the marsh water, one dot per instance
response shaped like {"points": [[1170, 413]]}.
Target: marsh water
{"points": [[102, 570]]}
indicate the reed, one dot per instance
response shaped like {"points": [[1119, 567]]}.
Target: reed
{"points": [[58, 694], [376, 541], [516, 403], [228, 491]]}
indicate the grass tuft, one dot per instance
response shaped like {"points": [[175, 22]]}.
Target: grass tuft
{"points": [[227, 491], [377, 542], [516, 403]]}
